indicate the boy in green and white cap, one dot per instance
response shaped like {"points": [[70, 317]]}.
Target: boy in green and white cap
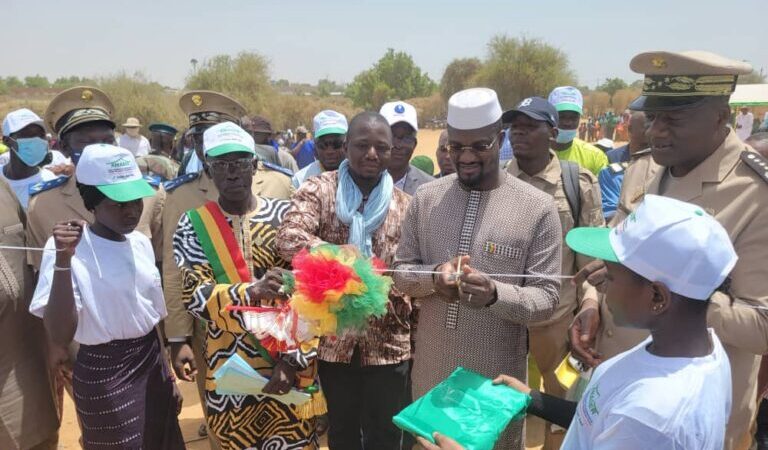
{"points": [[672, 391]]}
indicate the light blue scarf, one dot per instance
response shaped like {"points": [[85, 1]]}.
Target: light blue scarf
{"points": [[348, 201]]}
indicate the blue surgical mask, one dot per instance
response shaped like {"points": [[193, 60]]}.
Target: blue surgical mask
{"points": [[32, 151], [565, 136]]}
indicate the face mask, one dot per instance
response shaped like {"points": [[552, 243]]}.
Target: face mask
{"points": [[565, 136], [32, 151]]}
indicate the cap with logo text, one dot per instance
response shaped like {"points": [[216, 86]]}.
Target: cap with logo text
{"points": [[226, 137], [567, 98], [329, 122], [664, 240], [396, 112], [113, 171], [536, 108]]}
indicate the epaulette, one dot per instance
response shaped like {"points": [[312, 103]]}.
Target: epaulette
{"points": [[178, 181], [43, 186], [154, 181], [277, 168], [757, 163], [617, 167]]}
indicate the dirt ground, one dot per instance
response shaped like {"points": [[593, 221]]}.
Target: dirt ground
{"points": [[192, 416]]}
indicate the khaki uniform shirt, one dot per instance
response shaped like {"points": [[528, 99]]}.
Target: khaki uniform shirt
{"points": [[28, 414], [48, 208], [724, 186], [168, 210], [550, 181], [158, 164]]}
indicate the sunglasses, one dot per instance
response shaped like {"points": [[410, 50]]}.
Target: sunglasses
{"points": [[237, 165], [336, 144]]}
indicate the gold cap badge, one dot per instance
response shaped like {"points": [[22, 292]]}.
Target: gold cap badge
{"points": [[87, 95], [659, 63], [197, 100]]}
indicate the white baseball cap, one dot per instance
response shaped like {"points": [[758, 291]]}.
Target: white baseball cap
{"points": [[226, 137], [396, 112], [329, 122], [567, 98], [665, 240], [20, 119], [473, 108], [113, 171]]}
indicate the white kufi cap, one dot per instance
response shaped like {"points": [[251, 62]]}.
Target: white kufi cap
{"points": [[474, 108]]}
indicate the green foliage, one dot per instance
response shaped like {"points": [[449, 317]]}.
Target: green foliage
{"points": [[394, 76], [326, 86], [517, 68], [244, 78], [71, 81], [611, 85], [752, 78], [459, 75], [13, 82], [3, 86], [37, 81]]}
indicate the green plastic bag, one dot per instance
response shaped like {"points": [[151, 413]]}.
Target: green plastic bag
{"points": [[466, 407]]}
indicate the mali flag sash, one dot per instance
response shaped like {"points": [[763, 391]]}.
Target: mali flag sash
{"points": [[219, 244]]}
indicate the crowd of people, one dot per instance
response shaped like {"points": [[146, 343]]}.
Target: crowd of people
{"points": [[124, 260]]}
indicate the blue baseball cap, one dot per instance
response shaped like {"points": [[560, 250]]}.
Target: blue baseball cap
{"points": [[536, 108]]}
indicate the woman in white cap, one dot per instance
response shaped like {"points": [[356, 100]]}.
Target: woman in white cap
{"points": [[99, 287]]}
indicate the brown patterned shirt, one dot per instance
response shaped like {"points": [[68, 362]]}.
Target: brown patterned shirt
{"points": [[311, 221]]}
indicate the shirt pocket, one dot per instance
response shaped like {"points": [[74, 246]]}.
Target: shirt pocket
{"points": [[499, 252]]}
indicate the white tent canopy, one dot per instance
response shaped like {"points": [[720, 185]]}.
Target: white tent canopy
{"points": [[750, 95]]}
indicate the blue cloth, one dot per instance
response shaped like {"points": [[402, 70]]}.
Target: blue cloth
{"points": [[618, 155], [306, 154], [610, 188], [274, 144], [348, 201], [505, 153]]}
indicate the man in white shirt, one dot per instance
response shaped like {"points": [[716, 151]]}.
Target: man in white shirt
{"points": [[744, 122], [672, 391], [132, 138], [24, 134]]}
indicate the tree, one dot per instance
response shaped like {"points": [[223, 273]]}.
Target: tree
{"points": [[326, 86], [611, 85], [520, 67], [394, 76], [13, 82], [752, 78], [244, 78], [36, 81], [458, 75]]}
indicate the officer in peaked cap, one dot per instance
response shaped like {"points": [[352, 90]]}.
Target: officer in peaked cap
{"points": [[205, 109], [697, 158]]}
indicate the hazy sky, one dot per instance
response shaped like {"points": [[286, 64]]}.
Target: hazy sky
{"points": [[309, 40]]}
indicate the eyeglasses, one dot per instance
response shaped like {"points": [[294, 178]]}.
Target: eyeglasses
{"points": [[237, 165], [477, 147], [335, 144]]}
